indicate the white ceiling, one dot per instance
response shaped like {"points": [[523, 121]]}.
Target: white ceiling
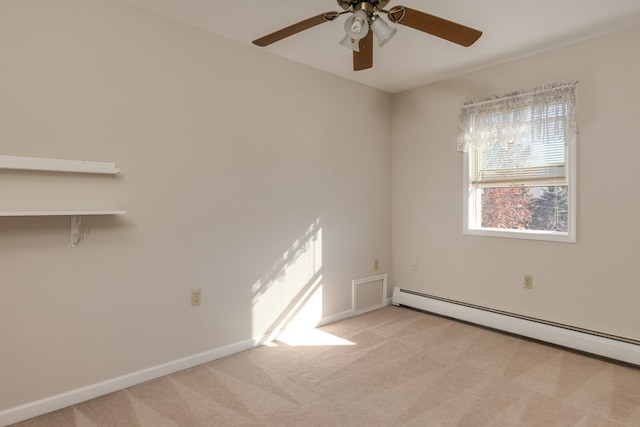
{"points": [[412, 58]]}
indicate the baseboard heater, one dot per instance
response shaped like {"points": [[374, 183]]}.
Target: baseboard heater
{"points": [[593, 342]]}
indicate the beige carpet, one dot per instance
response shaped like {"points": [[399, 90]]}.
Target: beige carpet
{"points": [[405, 368]]}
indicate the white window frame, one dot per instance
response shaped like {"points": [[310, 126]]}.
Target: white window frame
{"points": [[471, 209]]}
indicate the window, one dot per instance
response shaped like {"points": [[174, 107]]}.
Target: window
{"points": [[519, 164]]}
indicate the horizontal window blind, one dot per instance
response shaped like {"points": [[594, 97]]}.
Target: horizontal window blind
{"points": [[528, 146]]}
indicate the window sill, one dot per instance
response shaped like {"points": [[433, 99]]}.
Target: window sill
{"points": [[550, 236]]}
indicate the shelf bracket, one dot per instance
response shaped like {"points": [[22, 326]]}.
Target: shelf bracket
{"points": [[76, 220]]}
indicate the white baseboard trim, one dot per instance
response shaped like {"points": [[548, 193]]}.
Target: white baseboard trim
{"points": [[72, 397], [335, 317], [82, 394]]}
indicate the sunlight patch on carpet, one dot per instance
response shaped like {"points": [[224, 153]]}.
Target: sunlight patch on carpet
{"points": [[311, 337]]}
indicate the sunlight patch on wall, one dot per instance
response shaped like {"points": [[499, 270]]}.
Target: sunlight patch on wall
{"points": [[292, 289], [309, 313]]}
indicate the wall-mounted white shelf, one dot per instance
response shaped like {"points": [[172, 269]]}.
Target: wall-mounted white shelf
{"points": [[57, 165], [76, 218], [62, 213]]}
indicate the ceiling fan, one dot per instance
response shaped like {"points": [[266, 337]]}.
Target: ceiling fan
{"points": [[365, 21]]}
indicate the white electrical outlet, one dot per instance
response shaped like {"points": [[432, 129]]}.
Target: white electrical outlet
{"points": [[196, 297], [527, 282]]}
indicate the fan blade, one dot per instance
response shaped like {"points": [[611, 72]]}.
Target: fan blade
{"points": [[364, 59], [439, 27], [295, 28]]}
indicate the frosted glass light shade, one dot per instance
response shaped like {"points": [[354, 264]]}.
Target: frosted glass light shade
{"points": [[350, 43], [382, 31]]}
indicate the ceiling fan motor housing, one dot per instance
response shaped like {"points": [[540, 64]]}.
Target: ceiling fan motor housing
{"points": [[367, 5]]}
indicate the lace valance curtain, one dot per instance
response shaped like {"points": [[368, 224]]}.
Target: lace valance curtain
{"points": [[519, 118]]}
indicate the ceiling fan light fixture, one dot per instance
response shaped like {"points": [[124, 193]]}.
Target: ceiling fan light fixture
{"points": [[382, 31], [363, 16], [357, 25], [350, 43]]}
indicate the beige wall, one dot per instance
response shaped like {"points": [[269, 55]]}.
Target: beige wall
{"points": [[243, 175], [592, 283]]}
